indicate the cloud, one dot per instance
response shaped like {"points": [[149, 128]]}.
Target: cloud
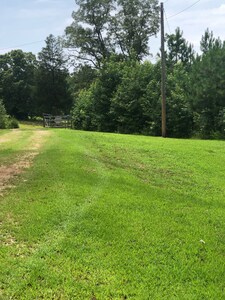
{"points": [[219, 11]]}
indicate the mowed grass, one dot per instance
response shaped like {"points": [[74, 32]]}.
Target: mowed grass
{"points": [[106, 216], [13, 143]]}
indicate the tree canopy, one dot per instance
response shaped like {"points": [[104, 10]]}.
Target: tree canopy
{"points": [[51, 78], [113, 86], [17, 82], [102, 28]]}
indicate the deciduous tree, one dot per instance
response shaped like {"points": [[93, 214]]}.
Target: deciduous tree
{"points": [[132, 26], [88, 36], [105, 27], [17, 83]]}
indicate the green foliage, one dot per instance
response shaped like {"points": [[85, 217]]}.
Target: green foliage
{"points": [[102, 28], [5, 120], [52, 89], [88, 35], [83, 112], [81, 79], [17, 82], [3, 115], [208, 93], [126, 98], [100, 94], [179, 114], [106, 86], [132, 26], [127, 106], [12, 123], [151, 103], [209, 42], [179, 50], [119, 92]]}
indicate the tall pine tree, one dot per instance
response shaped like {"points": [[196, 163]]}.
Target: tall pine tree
{"points": [[51, 78]]}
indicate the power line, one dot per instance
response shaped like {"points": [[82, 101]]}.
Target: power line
{"points": [[27, 44], [184, 9], [22, 45], [167, 21]]}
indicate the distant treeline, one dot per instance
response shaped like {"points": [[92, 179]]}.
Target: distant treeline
{"points": [[98, 72]]}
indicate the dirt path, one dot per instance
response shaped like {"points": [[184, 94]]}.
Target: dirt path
{"points": [[9, 171], [9, 136]]}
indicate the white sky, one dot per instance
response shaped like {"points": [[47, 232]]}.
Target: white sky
{"points": [[31, 21]]}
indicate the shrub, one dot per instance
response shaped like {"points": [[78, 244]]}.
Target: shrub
{"points": [[3, 116], [12, 122], [5, 120]]}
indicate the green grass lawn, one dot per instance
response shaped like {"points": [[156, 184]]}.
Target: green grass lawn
{"points": [[105, 216], [12, 144], [31, 124]]}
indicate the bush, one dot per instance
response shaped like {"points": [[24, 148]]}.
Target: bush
{"points": [[12, 123], [3, 116], [5, 120]]}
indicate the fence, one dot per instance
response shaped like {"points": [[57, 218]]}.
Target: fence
{"points": [[56, 121]]}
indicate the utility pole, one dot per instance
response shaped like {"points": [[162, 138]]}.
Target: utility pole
{"points": [[163, 84]]}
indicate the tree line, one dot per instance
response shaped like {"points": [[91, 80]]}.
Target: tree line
{"points": [[99, 72]]}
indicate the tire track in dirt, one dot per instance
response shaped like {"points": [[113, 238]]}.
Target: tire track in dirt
{"points": [[23, 162]]}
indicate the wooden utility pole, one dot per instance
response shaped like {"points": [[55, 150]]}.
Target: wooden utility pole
{"points": [[163, 84]]}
